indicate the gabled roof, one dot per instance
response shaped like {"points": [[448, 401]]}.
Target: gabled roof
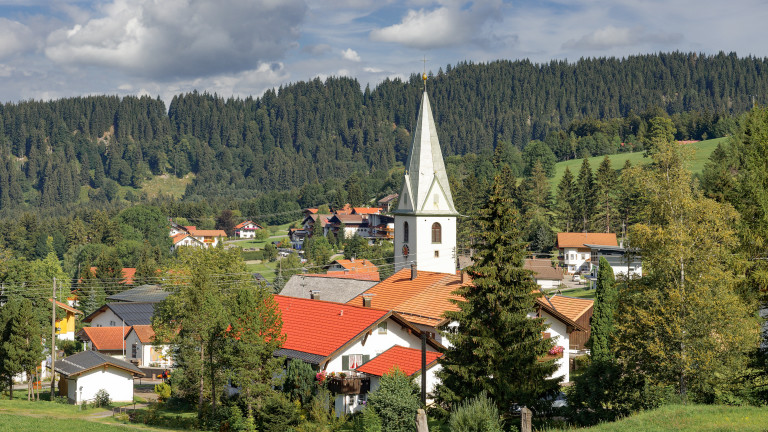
{"points": [[572, 307], [542, 269], [105, 338], [335, 289], [425, 176], [315, 217], [407, 360], [128, 273], [84, 361], [242, 224], [316, 329], [142, 293], [208, 233], [145, 333], [179, 237], [365, 276], [67, 307], [422, 300], [388, 198], [578, 240], [547, 306], [135, 313], [353, 219], [360, 265], [366, 210]]}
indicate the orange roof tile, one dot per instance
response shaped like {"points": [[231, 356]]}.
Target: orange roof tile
{"points": [[145, 333], [242, 224], [128, 272], [366, 210], [208, 233], [179, 237], [423, 300], [361, 265], [321, 327], [105, 338], [407, 360], [578, 240], [571, 307]]}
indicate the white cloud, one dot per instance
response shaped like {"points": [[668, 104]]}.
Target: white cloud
{"points": [[15, 38], [372, 70], [350, 54], [445, 26], [181, 38], [610, 37]]}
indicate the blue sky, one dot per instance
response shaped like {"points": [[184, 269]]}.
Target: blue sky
{"points": [[58, 48]]}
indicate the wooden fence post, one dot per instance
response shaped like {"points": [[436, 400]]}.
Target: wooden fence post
{"points": [[525, 419]]}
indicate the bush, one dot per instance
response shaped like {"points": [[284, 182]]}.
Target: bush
{"points": [[102, 399], [277, 414], [367, 421], [478, 414], [396, 402], [299, 382], [163, 392]]}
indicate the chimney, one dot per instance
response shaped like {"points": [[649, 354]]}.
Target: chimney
{"points": [[464, 277], [314, 295], [367, 298], [414, 271]]}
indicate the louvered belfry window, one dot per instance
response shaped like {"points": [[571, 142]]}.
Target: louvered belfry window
{"points": [[437, 233]]}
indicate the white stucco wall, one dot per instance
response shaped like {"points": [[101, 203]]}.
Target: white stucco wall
{"points": [[421, 248], [558, 332], [548, 283], [144, 352], [106, 319], [575, 260], [117, 382]]}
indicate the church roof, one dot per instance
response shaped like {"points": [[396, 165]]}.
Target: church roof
{"points": [[426, 189]]}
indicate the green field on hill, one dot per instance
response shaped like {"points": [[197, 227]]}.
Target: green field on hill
{"points": [[701, 152]]}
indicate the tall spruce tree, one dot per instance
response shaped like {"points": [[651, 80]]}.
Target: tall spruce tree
{"points": [[585, 193], [496, 346], [565, 202], [605, 196]]}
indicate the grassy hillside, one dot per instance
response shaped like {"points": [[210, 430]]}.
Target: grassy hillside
{"points": [[701, 152], [167, 185], [690, 418]]}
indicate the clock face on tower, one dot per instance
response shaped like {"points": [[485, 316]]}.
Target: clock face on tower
{"points": [[405, 251]]}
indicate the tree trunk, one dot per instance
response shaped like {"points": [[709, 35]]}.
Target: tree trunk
{"points": [[213, 382], [202, 376]]}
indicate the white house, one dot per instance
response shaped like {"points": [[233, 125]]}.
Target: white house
{"points": [[246, 229], [624, 262], [409, 361], [338, 338], [546, 276], [122, 314], [191, 236], [85, 373], [106, 340], [575, 256], [142, 349]]}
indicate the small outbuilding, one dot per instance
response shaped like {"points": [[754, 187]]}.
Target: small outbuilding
{"points": [[85, 373]]}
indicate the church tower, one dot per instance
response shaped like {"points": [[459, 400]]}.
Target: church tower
{"points": [[425, 219]]}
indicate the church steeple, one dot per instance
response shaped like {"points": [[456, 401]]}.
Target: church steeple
{"points": [[425, 219], [426, 189]]}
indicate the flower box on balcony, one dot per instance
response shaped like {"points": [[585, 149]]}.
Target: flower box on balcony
{"points": [[349, 385]]}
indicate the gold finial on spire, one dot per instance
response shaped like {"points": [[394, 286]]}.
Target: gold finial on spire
{"points": [[424, 74]]}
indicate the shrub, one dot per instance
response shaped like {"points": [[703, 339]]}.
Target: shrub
{"points": [[163, 392], [101, 399], [478, 414], [299, 381], [367, 421], [396, 402]]}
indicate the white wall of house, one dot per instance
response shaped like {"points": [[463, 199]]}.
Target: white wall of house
{"points": [[187, 241], [117, 382], [548, 283], [146, 353], [107, 319], [435, 333], [558, 331], [576, 260]]}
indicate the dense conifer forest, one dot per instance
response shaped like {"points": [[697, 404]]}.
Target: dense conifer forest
{"points": [[331, 134]]}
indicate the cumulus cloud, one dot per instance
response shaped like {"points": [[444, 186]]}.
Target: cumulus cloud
{"points": [[350, 54], [15, 37], [181, 38], [444, 26], [610, 37]]}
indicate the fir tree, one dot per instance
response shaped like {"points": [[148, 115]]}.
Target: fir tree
{"points": [[605, 198], [496, 347], [602, 316], [565, 202], [585, 193]]}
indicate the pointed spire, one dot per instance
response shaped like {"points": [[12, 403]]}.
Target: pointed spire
{"points": [[426, 189]]}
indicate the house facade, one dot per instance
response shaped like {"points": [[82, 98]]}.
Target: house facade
{"points": [[191, 236], [247, 229], [142, 349], [109, 341], [85, 373], [409, 361], [574, 254], [624, 262], [65, 326]]}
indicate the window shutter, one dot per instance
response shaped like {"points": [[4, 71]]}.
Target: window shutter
{"points": [[345, 362], [366, 357]]}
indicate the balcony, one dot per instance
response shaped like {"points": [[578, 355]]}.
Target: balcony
{"points": [[349, 385]]}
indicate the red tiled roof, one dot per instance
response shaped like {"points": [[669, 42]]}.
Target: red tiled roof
{"points": [[145, 333], [361, 265], [242, 224], [128, 272], [422, 300], [105, 338], [179, 237], [366, 210], [578, 240], [208, 233], [367, 276], [542, 269], [190, 227], [320, 327], [407, 359]]}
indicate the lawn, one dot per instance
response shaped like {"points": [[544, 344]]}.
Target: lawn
{"points": [[578, 292], [689, 418], [701, 152], [267, 269], [167, 184]]}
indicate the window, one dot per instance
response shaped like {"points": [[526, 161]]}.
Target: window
{"points": [[383, 327], [437, 234], [353, 361], [405, 232], [134, 350], [437, 254]]}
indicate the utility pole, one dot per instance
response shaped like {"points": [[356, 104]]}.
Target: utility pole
{"points": [[53, 337]]}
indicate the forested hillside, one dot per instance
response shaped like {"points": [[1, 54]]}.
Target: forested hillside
{"points": [[56, 153]]}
